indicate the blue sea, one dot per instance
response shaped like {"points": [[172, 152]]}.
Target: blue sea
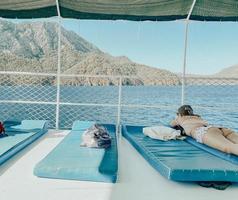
{"points": [[141, 105]]}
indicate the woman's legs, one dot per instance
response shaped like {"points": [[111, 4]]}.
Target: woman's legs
{"points": [[230, 135], [215, 138]]}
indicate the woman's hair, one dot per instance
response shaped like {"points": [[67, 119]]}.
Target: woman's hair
{"points": [[186, 110]]}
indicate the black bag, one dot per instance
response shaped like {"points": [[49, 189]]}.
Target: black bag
{"points": [[96, 137], [180, 128], [102, 137]]}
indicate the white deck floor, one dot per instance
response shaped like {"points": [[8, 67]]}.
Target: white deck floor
{"points": [[137, 180]]}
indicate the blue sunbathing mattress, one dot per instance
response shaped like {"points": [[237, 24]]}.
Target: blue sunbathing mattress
{"points": [[229, 157], [68, 160], [179, 160], [19, 136]]}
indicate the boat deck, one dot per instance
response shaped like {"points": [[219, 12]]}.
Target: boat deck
{"points": [[137, 179]]}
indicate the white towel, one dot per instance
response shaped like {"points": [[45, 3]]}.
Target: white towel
{"points": [[88, 140], [162, 133]]}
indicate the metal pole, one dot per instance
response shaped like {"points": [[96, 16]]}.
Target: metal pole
{"points": [[185, 53], [184, 63], [119, 109], [58, 67], [118, 127]]}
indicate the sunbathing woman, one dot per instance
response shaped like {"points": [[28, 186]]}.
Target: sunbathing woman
{"points": [[220, 138]]}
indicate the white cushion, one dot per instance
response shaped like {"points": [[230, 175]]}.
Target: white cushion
{"points": [[161, 132]]}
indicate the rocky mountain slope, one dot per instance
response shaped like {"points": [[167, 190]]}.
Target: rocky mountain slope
{"points": [[33, 48], [38, 39], [229, 72]]}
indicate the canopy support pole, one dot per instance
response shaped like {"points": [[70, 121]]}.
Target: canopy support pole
{"points": [[58, 67], [185, 53]]}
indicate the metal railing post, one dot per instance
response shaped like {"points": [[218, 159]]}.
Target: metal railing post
{"points": [[58, 68], [119, 109]]}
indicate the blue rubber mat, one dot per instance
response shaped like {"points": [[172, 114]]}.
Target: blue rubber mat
{"points": [[179, 160], [229, 157], [68, 160], [20, 136]]}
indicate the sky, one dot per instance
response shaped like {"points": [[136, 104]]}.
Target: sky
{"points": [[212, 46]]}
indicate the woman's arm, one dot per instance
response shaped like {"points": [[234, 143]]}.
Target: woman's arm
{"points": [[174, 122]]}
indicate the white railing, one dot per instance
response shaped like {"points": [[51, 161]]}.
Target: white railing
{"points": [[28, 98], [58, 102]]}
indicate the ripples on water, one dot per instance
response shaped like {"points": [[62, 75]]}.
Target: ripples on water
{"points": [[217, 104]]}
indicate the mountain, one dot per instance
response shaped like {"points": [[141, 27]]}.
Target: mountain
{"points": [[38, 39], [32, 47], [229, 72]]}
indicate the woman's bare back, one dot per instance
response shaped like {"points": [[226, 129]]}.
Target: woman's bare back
{"points": [[189, 123]]}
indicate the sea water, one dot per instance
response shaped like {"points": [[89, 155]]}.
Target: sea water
{"points": [[140, 105]]}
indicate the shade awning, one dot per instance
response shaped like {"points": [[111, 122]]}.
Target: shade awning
{"points": [[138, 10]]}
